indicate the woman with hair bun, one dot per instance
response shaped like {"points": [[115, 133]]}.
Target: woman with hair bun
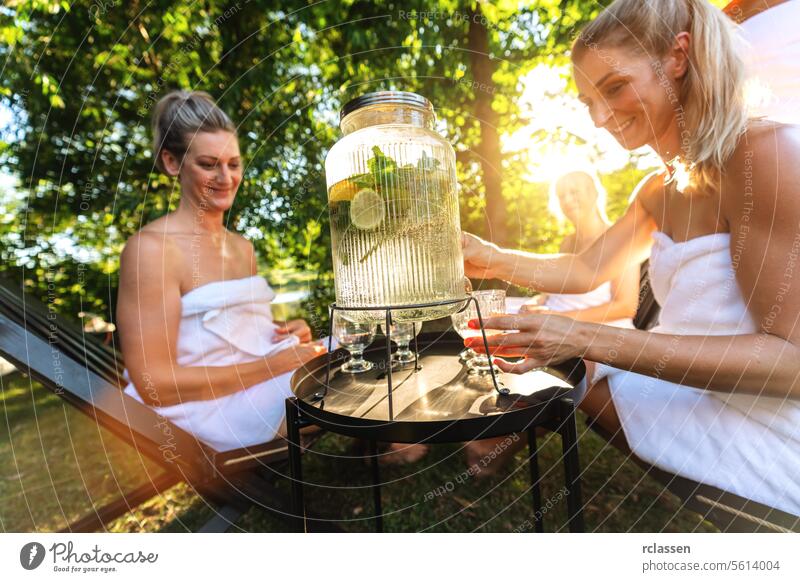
{"points": [[713, 392], [194, 318]]}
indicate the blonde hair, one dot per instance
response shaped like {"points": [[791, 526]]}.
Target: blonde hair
{"points": [[712, 112], [554, 203], [180, 115]]}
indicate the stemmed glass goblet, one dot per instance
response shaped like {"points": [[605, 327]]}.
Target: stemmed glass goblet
{"points": [[402, 333], [355, 337]]}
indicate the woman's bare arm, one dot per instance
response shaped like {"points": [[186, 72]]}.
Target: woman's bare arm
{"points": [[623, 301], [626, 242], [148, 315], [622, 305], [762, 206]]}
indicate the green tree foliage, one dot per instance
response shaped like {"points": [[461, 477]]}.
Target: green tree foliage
{"points": [[81, 80]]}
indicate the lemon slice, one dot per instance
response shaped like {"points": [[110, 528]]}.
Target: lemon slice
{"points": [[342, 191], [367, 209]]}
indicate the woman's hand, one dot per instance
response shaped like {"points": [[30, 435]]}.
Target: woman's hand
{"points": [[296, 327], [294, 357], [540, 339], [481, 258]]}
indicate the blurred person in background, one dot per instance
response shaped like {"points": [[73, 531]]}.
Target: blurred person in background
{"points": [[579, 197]]}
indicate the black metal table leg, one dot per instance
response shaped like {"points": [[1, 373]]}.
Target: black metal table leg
{"points": [[376, 486], [533, 462], [295, 467], [572, 472]]}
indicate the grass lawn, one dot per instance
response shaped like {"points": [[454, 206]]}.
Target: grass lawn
{"points": [[55, 463]]}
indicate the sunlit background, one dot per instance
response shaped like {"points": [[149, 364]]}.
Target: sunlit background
{"points": [[77, 86], [76, 176]]}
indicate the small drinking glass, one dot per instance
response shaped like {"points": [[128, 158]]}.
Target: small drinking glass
{"points": [[491, 302], [466, 354], [402, 334], [460, 324], [355, 338]]}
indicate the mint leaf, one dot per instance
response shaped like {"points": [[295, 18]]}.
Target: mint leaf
{"points": [[427, 163], [362, 180], [381, 166]]}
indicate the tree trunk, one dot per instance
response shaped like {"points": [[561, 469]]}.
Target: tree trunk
{"points": [[488, 149]]}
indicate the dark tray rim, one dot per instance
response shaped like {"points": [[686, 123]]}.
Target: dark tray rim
{"points": [[522, 413]]}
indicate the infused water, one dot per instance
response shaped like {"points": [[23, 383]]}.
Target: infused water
{"points": [[393, 202], [396, 236]]}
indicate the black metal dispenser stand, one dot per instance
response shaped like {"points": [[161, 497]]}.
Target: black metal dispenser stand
{"points": [[388, 309]]}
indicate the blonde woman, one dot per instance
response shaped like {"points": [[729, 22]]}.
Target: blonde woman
{"points": [[579, 197], [194, 317], [713, 393]]}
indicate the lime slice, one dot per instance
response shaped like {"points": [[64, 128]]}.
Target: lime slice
{"points": [[367, 209]]}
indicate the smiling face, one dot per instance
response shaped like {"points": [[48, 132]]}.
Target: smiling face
{"points": [[633, 97], [210, 172]]}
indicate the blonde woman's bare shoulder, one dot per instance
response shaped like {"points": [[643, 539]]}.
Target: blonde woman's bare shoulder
{"points": [[650, 191], [164, 225], [762, 129], [240, 245], [238, 239], [765, 141], [157, 236], [765, 166]]}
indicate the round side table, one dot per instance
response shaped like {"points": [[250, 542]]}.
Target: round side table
{"points": [[437, 402]]}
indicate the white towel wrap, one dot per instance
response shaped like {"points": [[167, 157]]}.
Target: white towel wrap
{"points": [[225, 323], [747, 445]]}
